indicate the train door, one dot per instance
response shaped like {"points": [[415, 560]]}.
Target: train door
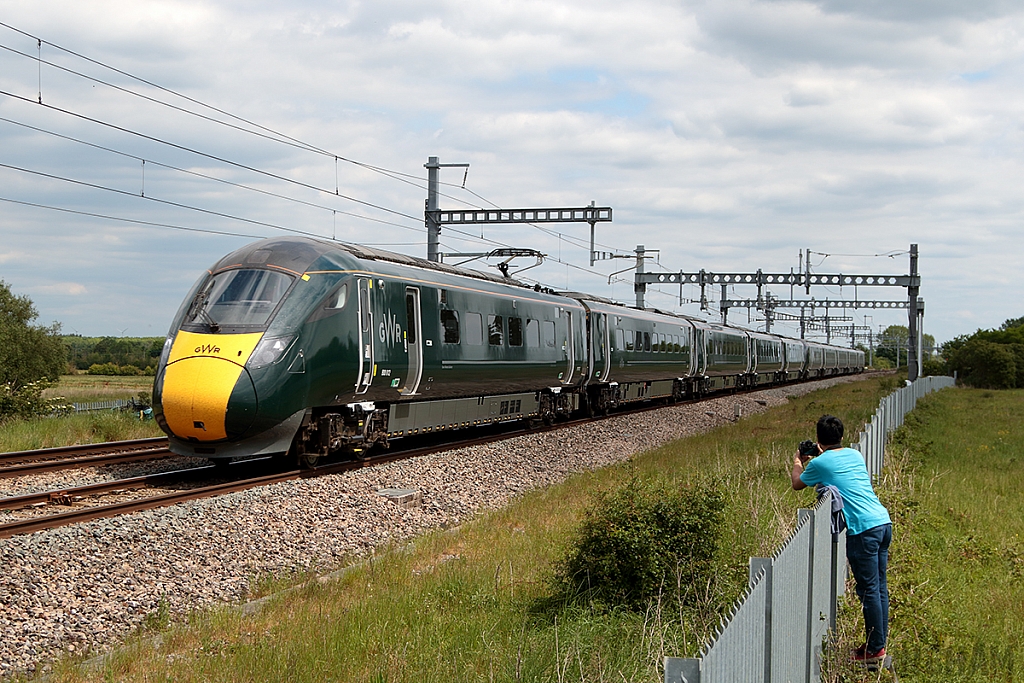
{"points": [[700, 348], [570, 349], [600, 353], [691, 345], [365, 376], [413, 341]]}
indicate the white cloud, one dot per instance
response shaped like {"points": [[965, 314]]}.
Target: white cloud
{"points": [[729, 135], [60, 288]]}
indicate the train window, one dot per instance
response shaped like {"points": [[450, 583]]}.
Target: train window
{"points": [[663, 344], [548, 328], [620, 342], [639, 340], [654, 342], [647, 341], [515, 331], [450, 323], [675, 343], [338, 298], [444, 296], [532, 333], [474, 329], [495, 330], [629, 341]]}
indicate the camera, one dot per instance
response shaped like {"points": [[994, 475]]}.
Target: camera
{"points": [[808, 449]]}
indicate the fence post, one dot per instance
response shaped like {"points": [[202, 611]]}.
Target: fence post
{"points": [[758, 565], [682, 670], [801, 515]]}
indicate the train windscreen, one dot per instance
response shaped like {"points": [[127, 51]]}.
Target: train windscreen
{"points": [[238, 298]]}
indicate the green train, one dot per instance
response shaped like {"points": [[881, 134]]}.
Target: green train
{"points": [[313, 347]]}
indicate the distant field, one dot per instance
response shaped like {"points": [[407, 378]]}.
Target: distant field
{"points": [[88, 388]]}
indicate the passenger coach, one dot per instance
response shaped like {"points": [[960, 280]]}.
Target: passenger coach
{"points": [[312, 347]]}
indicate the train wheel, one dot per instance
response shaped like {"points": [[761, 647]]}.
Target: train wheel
{"points": [[308, 461]]}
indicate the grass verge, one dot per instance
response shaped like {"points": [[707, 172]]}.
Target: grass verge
{"points": [[82, 428], [475, 603], [68, 430], [953, 485]]}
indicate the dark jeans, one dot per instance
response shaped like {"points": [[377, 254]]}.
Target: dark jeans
{"points": [[868, 554]]}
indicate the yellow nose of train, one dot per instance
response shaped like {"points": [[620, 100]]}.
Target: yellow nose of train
{"points": [[203, 370]]}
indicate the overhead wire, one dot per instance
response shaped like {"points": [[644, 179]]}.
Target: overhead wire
{"points": [[128, 220], [197, 173], [161, 102], [213, 157], [280, 137], [167, 202], [274, 135]]}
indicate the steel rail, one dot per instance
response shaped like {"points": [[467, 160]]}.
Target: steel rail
{"points": [[83, 449], [87, 461], [85, 514], [31, 525], [61, 496]]}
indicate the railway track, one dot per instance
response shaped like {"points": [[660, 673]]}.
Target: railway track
{"points": [[20, 463], [262, 476], [76, 497]]}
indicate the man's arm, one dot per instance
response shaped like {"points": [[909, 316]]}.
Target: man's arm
{"points": [[798, 469]]}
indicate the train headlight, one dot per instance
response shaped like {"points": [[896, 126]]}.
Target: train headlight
{"points": [[270, 350]]}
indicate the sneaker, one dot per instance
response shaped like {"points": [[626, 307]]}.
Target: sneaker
{"points": [[870, 660]]}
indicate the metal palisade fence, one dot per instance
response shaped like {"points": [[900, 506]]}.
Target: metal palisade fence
{"points": [[117, 404], [774, 632]]}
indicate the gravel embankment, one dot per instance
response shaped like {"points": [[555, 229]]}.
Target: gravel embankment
{"points": [[85, 587]]}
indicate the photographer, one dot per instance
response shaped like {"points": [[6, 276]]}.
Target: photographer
{"points": [[869, 528]]}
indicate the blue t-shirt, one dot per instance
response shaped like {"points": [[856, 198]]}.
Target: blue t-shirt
{"points": [[844, 468]]}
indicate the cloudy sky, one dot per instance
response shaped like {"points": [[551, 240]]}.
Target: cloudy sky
{"points": [[728, 135]]}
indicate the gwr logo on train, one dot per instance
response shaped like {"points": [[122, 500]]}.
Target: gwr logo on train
{"points": [[390, 331], [208, 348]]}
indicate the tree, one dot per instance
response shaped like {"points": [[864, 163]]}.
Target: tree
{"points": [[986, 365], [893, 341], [28, 352]]}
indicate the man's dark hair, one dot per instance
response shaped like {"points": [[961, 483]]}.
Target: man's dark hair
{"points": [[830, 430]]}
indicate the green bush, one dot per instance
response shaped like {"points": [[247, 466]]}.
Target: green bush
{"points": [[882, 363], [27, 401], [115, 369], [986, 365], [933, 367], [1018, 360], [644, 540]]}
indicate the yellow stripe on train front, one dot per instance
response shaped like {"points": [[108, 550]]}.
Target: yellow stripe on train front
{"points": [[201, 373]]}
